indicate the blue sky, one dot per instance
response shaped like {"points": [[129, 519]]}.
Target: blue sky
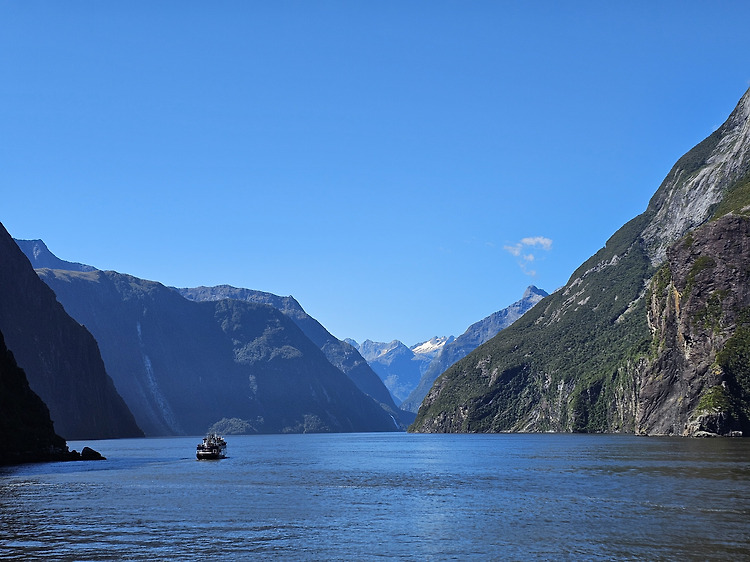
{"points": [[403, 169]]}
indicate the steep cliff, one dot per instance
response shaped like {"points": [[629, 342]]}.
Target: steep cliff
{"points": [[28, 434], [584, 358], [59, 356], [699, 312]]}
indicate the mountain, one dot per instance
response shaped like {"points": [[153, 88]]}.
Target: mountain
{"points": [[409, 372], [473, 337], [183, 366], [40, 257], [60, 357], [341, 354], [698, 309], [399, 367], [649, 335], [429, 349]]}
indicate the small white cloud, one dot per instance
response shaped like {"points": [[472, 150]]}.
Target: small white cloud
{"points": [[537, 242], [517, 249]]}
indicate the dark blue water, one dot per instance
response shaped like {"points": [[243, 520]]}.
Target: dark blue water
{"points": [[384, 497]]}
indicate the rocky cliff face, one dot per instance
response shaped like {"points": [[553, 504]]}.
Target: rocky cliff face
{"points": [[605, 354], [183, 366], [699, 301], [59, 356], [698, 181]]}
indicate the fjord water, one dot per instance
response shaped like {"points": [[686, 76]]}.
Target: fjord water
{"points": [[386, 496]]}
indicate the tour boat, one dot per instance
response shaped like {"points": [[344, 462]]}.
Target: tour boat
{"points": [[213, 447]]}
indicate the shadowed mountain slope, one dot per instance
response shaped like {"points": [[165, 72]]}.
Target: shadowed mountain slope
{"points": [[183, 366], [341, 354], [28, 434], [59, 356]]}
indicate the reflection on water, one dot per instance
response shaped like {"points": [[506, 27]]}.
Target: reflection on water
{"points": [[368, 496]]}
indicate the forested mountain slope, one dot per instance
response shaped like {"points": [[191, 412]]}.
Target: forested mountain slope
{"points": [[473, 337]]}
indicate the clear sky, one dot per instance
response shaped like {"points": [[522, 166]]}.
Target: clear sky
{"points": [[402, 168]]}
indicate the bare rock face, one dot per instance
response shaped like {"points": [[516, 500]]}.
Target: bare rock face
{"points": [[698, 181], [699, 302]]}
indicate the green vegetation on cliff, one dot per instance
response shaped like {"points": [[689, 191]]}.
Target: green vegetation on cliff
{"points": [[734, 359], [589, 332], [737, 199]]}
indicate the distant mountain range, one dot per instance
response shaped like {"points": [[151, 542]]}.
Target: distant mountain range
{"points": [[410, 372], [473, 337], [400, 367], [183, 366], [651, 335]]}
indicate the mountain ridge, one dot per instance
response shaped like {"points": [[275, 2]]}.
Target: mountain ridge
{"points": [[475, 335], [340, 354]]}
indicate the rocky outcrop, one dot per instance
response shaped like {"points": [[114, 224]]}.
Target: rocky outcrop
{"points": [[59, 356], [699, 300], [698, 181]]}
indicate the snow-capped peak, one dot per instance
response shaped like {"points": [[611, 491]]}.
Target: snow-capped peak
{"points": [[431, 346]]}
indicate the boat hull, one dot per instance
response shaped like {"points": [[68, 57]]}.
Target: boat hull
{"points": [[213, 447], [209, 455]]}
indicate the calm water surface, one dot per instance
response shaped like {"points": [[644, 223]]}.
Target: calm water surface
{"points": [[384, 497]]}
